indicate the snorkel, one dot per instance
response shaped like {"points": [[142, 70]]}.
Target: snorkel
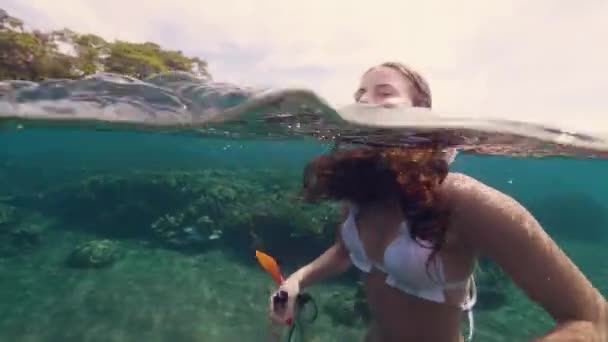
{"points": [[270, 265]]}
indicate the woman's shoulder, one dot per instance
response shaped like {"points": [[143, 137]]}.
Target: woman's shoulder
{"points": [[466, 195], [462, 187], [458, 186], [475, 206]]}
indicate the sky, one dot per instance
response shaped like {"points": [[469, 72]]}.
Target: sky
{"points": [[539, 60]]}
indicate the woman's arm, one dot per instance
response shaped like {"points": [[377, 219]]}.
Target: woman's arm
{"points": [[497, 226], [334, 261]]}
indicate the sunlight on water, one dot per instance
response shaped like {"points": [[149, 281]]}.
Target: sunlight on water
{"points": [[133, 234]]}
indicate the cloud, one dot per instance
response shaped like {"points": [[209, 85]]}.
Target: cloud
{"points": [[541, 60]]}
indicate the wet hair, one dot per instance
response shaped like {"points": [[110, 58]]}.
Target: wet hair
{"points": [[365, 175], [420, 92]]}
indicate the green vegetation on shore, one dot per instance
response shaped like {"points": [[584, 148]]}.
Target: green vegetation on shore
{"points": [[36, 55]]}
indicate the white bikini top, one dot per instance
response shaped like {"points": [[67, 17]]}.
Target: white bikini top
{"points": [[404, 263]]}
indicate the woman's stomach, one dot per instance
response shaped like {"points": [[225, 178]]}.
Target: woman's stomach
{"points": [[399, 316]]}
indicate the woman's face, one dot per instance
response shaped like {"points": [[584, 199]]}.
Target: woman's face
{"points": [[384, 86]]}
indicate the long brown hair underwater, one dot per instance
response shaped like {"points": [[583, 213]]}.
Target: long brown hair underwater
{"points": [[369, 174]]}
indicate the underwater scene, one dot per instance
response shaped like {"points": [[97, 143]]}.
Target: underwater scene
{"points": [[121, 236], [133, 201]]}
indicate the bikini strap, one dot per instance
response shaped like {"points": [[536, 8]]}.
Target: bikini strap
{"points": [[468, 305]]}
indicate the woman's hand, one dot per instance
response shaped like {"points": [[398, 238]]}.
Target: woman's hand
{"points": [[333, 261], [282, 302]]}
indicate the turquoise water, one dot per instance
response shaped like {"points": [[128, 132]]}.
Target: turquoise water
{"points": [[214, 290]]}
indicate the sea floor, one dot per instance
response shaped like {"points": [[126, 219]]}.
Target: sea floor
{"points": [[156, 294]]}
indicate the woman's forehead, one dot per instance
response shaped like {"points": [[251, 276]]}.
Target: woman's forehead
{"points": [[382, 75]]}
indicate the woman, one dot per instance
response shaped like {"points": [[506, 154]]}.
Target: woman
{"points": [[415, 231]]}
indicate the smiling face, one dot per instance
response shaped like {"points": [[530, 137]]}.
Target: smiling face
{"points": [[383, 85]]}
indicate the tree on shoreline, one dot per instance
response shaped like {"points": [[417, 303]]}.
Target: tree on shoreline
{"points": [[36, 55]]}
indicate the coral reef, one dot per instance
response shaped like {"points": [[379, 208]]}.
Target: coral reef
{"points": [[195, 209]]}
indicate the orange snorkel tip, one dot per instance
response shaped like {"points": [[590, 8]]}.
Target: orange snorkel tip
{"points": [[269, 265]]}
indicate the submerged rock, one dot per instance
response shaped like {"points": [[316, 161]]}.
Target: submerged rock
{"points": [[93, 254]]}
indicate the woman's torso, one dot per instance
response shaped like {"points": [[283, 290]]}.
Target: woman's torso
{"points": [[400, 315], [397, 316]]}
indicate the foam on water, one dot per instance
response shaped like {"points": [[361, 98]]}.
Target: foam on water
{"points": [[180, 102]]}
